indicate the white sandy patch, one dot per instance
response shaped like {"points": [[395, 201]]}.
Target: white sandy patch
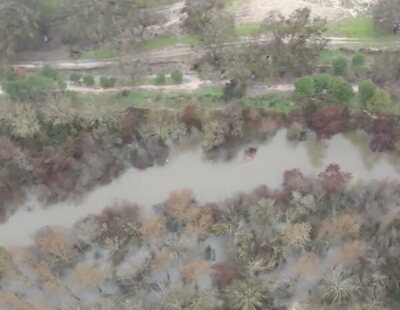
{"points": [[256, 10]]}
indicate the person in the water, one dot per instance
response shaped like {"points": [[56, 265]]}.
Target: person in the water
{"points": [[250, 153]]}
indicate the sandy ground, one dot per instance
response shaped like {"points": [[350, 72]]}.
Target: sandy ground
{"points": [[248, 11]]}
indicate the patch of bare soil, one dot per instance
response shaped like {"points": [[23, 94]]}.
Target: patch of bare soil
{"points": [[251, 11]]}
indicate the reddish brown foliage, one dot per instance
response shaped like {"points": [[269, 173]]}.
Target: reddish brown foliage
{"points": [[19, 72], [55, 169], [333, 179], [189, 118], [383, 124], [128, 122], [7, 148], [327, 121], [294, 180], [223, 273], [382, 142]]}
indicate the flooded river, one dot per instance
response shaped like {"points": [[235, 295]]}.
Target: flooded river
{"points": [[209, 181]]}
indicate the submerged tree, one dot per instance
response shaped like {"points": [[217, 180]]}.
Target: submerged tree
{"points": [[339, 287], [242, 295]]}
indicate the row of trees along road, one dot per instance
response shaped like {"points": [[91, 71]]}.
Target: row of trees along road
{"points": [[292, 47]]}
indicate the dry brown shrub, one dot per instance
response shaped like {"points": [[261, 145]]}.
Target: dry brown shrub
{"points": [[13, 302], [55, 245], [294, 180], [119, 221], [178, 202], [5, 260], [7, 148], [304, 265], [41, 305], [340, 228], [193, 270], [387, 219], [87, 276], [223, 273], [348, 253], [200, 220], [48, 281], [268, 126], [153, 228], [296, 234], [160, 261]]}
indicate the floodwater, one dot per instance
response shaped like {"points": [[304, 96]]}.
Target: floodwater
{"points": [[210, 182]]}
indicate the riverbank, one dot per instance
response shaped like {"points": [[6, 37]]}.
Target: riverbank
{"points": [[85, 147]]}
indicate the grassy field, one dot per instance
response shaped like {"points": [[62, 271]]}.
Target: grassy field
{"points": [[158, 43], [52, 4], [210, 98], [361, 27], [273, 103], [247, 29], [100, 53]]}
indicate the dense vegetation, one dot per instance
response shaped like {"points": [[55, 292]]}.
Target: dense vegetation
{"points": [[324, 242], [320, 243]]}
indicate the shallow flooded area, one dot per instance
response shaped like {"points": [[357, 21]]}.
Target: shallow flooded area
{"points": [[210, 181]]}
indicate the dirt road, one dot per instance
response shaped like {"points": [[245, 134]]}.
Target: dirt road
{"points": [[176, 53]]}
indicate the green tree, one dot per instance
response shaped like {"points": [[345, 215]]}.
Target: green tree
{"points": [[31, 88], [304, 87], [366, 91], [358, 60], [296, 42], [380, 100], [49, 72], [107, 82], [103, 20], [386, 15], [88, 80], [339, 65], [159, 79], [213, 26], [177, 77], [386, 68], [17, 21], [321, 82], [208, 21], [339, 90]]}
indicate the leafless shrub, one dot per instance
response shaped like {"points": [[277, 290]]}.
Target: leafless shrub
{"points": [[55, 245], [87, 276]]}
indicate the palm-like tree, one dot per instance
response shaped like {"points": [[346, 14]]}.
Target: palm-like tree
{"points": [[17, 20], [242, 295], [339, 287]]}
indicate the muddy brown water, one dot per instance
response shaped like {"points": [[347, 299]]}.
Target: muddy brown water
{"points": [[210, 181]]}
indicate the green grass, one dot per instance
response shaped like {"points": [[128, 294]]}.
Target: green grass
{"points": [[328, 55], [247, 29], [100, 53], [158, 43], [208, 98], [361, 27], [273, 103], [51, 4], [212, 91]]}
